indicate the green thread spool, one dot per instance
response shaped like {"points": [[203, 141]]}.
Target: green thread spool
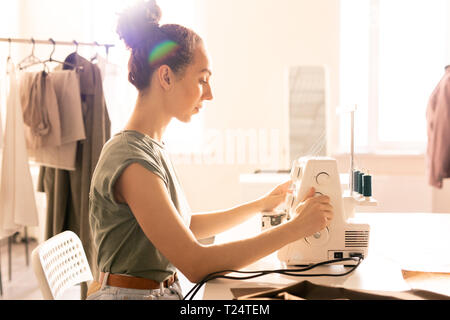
{"points": [[367, 185], [360, 182]]}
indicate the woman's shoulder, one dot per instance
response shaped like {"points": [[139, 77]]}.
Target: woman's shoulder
{"points": [[123, 149], [127, 147], [131, 143]]}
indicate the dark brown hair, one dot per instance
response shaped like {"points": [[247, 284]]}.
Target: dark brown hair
{"points": [[139, 27]]}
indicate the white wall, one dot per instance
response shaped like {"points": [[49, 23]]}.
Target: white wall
{"points": [[60, 20], [251, 44]]}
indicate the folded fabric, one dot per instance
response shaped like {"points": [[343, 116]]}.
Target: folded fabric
{"points": [[35, 114], [306, 290], [62, 157], [66, 85], [40, 111]]}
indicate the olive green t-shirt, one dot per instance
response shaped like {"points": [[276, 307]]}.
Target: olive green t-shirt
{"points": [[122, 246]]}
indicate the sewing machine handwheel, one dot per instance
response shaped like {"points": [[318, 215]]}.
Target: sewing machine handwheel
{"points": [[319, 238]]}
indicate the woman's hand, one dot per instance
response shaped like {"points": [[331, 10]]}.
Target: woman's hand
{"points": [[273, 199], [313, 213]]}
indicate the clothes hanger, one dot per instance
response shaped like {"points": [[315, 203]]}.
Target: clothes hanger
{"points": [[75, 53], [9, 51], [95, 57], [29, 60], [50, 59], [9, 62], [72, 57]]}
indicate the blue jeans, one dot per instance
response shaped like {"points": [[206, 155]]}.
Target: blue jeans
{"points": [[116, 293]]}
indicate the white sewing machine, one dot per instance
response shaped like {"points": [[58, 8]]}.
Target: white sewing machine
{"points": [[342, 238]]}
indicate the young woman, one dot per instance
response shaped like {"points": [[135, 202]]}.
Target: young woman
{"points": [[142, 225]]}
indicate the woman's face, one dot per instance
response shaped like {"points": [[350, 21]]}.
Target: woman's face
{"points": [[193, 87]]}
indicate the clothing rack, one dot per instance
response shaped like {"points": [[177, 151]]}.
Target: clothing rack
{"points": [[53, 42], [33, 41]]}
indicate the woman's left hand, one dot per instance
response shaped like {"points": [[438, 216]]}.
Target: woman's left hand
{"points": [[273, 199]]}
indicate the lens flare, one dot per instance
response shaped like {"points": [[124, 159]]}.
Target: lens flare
{"points": [[162, 50]]}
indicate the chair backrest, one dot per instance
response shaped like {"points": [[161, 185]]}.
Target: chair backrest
{"points": [[60, 263]]}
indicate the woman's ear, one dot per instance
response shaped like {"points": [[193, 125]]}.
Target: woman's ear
{"points": [[165, 76]]}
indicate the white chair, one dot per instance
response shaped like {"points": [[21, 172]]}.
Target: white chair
{"points": [[60, 263]]}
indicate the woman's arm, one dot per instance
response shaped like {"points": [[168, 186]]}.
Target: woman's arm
{"points": [[146, 195], [204, 225], [208, 224]]}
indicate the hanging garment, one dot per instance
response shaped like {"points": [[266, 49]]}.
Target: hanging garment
{"points": [[40, 111], [438, 129], [17, 200], [68, 191], [66, 85]]}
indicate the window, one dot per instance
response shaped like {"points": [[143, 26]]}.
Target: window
{"points": [[393, 54]]}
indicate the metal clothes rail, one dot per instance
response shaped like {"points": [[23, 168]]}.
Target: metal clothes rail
{"points": [[53, 42]]}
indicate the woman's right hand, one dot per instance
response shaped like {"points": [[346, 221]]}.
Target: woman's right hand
{"points": [[314, 213]]}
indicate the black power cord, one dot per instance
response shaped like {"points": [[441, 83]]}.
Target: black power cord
{"points": [[289, 272]]}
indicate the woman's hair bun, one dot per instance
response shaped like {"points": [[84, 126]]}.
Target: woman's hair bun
{"points": [[153, 45], [136, 23]]}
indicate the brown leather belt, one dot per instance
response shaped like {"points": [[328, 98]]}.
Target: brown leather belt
{"points": [[130, 282]]}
